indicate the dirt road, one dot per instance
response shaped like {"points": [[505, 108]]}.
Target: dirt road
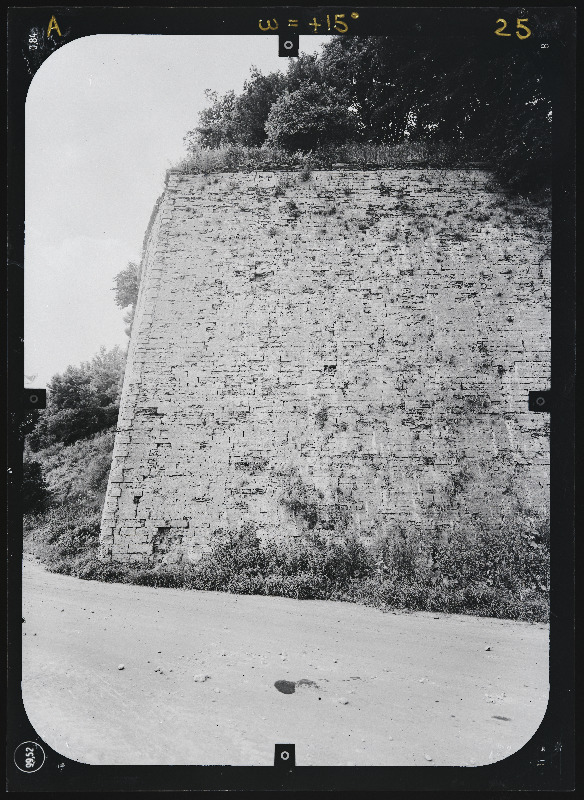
{"points": [[383, 688]]}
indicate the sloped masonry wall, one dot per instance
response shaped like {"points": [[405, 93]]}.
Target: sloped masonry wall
{"points": [[349, 352]]}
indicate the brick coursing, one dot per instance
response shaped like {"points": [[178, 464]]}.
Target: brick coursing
{"points": [[351, 352]]}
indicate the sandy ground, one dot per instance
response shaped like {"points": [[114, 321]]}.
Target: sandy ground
{"points": [[389, 688]]}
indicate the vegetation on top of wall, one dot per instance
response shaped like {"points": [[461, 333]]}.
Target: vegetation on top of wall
{"points": [[487, 102], [348, 155], [151, 223]]}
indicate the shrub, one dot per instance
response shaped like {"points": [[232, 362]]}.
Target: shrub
{"points": [[304, 586], [292, 209], [399, 554], [246, 584], [332, 561], [238, 551], [63, 533], [35, 494], [78, 472], [92, 568], [508, 559]]}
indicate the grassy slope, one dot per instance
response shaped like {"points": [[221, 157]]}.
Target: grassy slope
{"points": [[77, 479]]}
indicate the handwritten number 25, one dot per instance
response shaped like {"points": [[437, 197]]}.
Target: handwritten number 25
{"points": [[520, 25]]}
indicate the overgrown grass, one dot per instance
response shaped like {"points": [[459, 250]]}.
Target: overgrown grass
{"points": [[358, 155], [67, 532], [65, 535], [490, 574], [78, 471]]}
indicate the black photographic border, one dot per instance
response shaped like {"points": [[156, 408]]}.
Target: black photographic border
{"points": [[546, 762]]}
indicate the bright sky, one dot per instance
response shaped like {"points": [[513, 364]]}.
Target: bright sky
{"points": [[105, 118]]}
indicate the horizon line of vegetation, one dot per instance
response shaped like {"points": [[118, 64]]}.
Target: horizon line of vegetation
{"points": [[377, 100]]}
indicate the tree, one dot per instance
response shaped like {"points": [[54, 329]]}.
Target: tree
{"points": [[309, 117], [241, 120], [238, 120], [106, 371], [252, 107], [308, 68], [127, 284], [69, 390], [215, 126], [81, 401], [491, 102]]}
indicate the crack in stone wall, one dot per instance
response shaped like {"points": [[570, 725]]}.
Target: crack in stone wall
{"points": [[347, 353]]}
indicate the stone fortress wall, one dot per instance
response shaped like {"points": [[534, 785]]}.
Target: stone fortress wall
{"points": [[350, 352]]}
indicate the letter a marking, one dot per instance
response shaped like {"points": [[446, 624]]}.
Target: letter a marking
{"points": [[53, 26]]}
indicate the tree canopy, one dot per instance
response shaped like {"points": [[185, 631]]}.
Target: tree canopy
{"points": [[308, 117], [491, 102], [126, 285], [81, 401]]}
